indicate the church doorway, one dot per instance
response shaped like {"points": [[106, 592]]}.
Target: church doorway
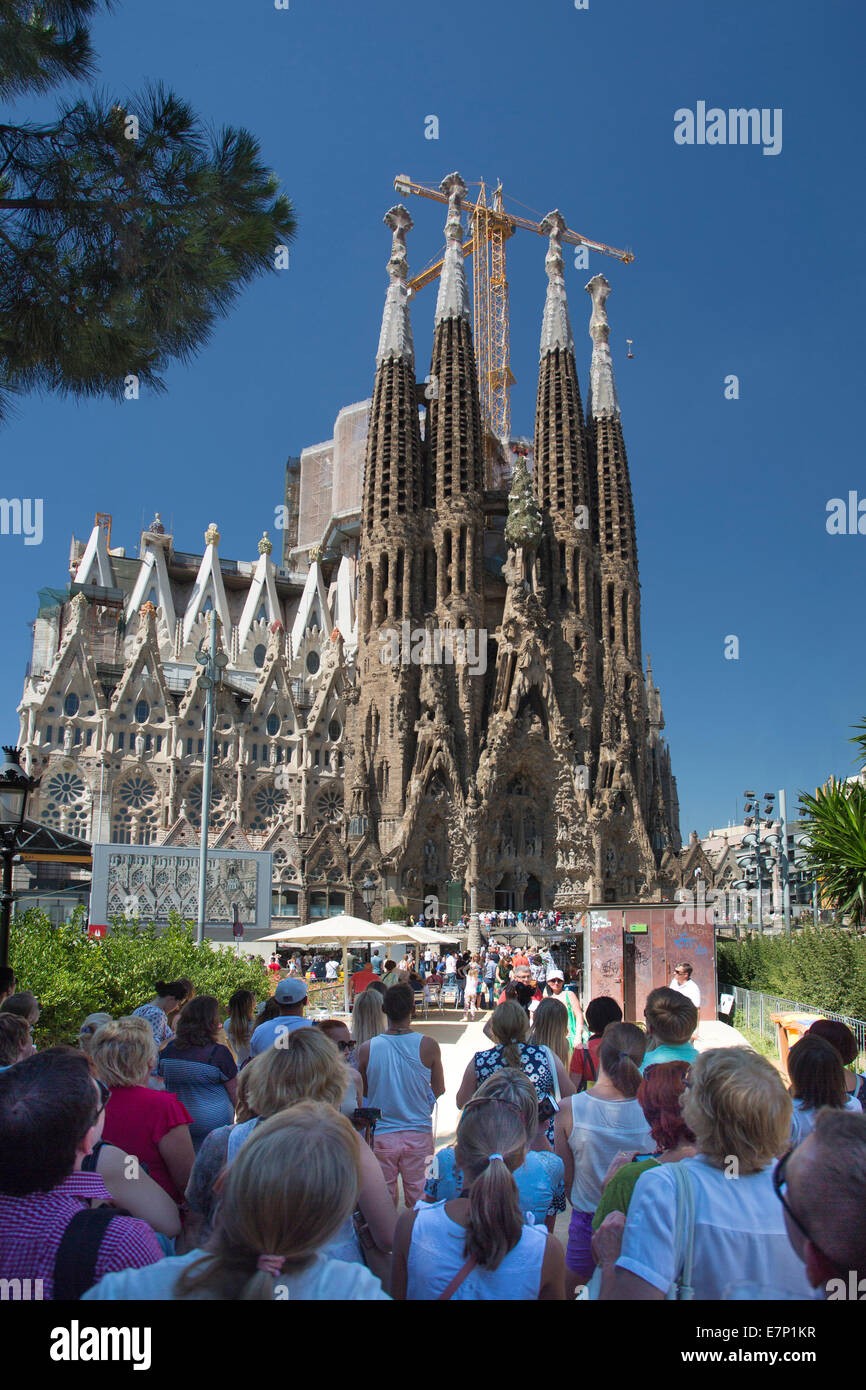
{"points": [[503, 897], [532, 894]]}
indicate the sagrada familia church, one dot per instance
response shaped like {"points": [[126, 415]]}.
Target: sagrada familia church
{"points": [[440, 686]]}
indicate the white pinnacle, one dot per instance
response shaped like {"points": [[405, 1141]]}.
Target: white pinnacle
{"points": [[555, 324], [395, 339], [453, 300], [602, 387]]}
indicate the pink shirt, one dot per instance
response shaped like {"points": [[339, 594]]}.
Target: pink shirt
{"points": [[31, 1229], [136, 1119]]}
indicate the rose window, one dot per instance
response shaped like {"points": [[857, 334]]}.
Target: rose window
{"points": [[136, 792]]}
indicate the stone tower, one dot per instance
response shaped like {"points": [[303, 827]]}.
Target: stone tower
{"points": [[391, 557], [536, 776]]}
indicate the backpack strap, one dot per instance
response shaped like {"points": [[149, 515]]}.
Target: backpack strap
{"points": [[684, 1236], [461, 1274], [89, 1164], [75, 1261]]}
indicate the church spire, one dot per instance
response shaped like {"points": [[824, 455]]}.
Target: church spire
{"points": [[392, 477], [555, 325], [453, 298], [602, 387], [560, 449], [454, 432], [395, 339]]}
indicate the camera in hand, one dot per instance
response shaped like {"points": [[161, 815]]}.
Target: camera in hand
{"points": [[547, 1108], [368, 1114]]}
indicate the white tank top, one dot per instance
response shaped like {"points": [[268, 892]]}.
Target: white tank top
{"points": [[398, 1083], [599, 1130], [436, 1254]]}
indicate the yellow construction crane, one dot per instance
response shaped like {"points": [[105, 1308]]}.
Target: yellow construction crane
{"points": [[491, 228]]}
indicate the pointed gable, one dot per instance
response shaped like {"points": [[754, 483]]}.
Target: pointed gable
{"points": [[152, 586], [262, 603], [145, 668], [208, 591], [313, 610], [94, 567]]}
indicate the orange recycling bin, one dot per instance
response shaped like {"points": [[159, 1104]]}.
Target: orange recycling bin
{"points": [[790, 1027]]}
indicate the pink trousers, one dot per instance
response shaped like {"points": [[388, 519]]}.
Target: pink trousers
{"points": [[404, 1153]]}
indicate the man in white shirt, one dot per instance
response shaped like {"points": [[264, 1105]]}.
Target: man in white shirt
{"points": [[683, 982], [332, 969], [450, 969]]}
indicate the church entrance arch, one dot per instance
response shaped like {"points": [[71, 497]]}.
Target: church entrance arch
{"points": [[503, 896], [532, 894]]}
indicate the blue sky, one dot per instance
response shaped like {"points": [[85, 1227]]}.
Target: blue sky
{"points": [[746, 264]]}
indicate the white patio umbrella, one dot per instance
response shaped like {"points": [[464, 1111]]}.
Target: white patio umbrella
{"points": [[340, 931], [424, 936]]}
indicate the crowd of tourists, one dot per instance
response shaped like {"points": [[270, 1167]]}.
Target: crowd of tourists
{"points": [[193, 1151]]}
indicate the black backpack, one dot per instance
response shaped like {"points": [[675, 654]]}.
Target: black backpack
{"points": [[75, 1261]]}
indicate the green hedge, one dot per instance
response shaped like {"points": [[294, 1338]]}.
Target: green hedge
{"points": [[73, 975], [396, 914], [825, 968]]}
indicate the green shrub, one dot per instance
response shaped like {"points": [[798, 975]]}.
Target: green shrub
{"points": [[396, 914], [824, 968], [73, 975]]}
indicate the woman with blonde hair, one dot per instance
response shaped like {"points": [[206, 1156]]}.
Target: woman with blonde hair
{"points": [[722, 1201], [368, 1021], [478, 1246], [592, 1129], [509, 1027], [152, 1125], [291, 1188], [550, 1029], [307, 1066]]}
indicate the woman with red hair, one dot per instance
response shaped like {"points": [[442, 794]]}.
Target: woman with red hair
{"points": [[660, 1096]]}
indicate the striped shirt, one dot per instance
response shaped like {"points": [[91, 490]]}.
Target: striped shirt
{"points": [[31, 1229]]}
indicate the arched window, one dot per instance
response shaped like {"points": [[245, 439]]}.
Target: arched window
{"points": [[273, 724], [71, 704], [259, 655], [142, 712]]}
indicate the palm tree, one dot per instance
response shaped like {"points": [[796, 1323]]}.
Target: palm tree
{"points": [[835, 849]]}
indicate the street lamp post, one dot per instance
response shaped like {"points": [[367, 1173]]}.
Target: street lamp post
{"points": [[754, 815], [214, 663], [15, 788], [368, 893]]}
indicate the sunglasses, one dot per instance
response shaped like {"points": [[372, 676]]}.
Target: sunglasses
{"points": [[104, 1097], [346, 1046], [780, 1187]]}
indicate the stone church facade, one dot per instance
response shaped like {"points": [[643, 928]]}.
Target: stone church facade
{"points": [[446, 694]]}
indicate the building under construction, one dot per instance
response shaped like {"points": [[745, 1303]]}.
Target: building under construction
{"points": [[513, 756]]}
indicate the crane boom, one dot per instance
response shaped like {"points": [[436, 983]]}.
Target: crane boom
{"points": [[491, 228]]}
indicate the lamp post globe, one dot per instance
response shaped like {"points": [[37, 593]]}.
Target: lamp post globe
{"points": [[15, 788], [368, 893]]}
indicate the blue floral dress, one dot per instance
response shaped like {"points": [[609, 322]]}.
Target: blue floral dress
{"points": [[534, 1061]]}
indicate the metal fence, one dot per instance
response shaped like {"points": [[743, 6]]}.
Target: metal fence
{"points": [[757, 1012]]}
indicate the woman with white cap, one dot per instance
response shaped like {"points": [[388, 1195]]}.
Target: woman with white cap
{"points": [[556, 988]]}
